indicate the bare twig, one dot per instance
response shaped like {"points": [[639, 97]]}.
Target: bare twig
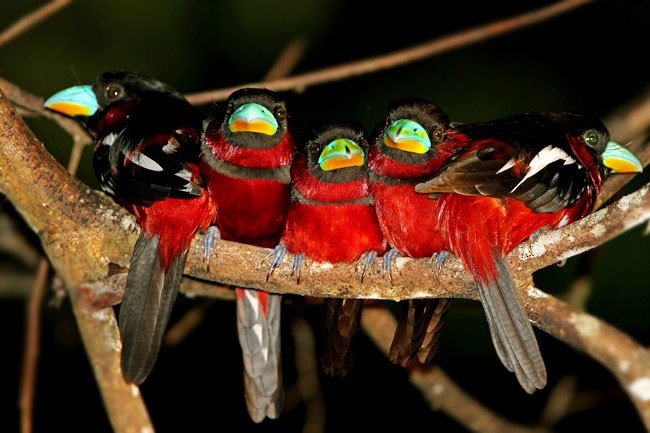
{"points": [[307, 388], [30, 20], [398, 58], [32, 345], [436, 387], [185, 325], [287, 60], [559, 401]]}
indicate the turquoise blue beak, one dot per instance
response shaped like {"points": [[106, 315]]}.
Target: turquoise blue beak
{"points": [[621, 160], [253, 118], [407, 135], [73, 101]]}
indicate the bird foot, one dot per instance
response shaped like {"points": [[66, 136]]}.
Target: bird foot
{"points": [[212, 236], [387, 262], [278, 254], [528, 243], [367, 259], [297, 266]]}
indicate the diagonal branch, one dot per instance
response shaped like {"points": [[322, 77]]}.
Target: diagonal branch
{"points": [[373, 64], [30, 20]]}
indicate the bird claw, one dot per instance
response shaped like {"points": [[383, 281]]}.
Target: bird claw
{"points": [[278, 254], [212, 236], [387, 262], [440, 259], [367, 259], [297, 266], [528, 243]]}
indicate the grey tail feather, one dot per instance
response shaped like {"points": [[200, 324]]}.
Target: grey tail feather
{"points": [[341, 323], [511, 331], [259, 337], [146, 307]]}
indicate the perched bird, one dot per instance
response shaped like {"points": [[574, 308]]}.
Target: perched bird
{"points": [[146, 157], [332, 220], [250, 151], [517, 176], [406, 148]]}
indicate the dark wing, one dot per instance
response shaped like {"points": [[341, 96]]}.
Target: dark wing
{"points": [[144, 163], [544, 177]]}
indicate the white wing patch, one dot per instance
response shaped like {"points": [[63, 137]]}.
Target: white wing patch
{"points": [[544, 157], [184, 174], [109, 139], [507, 165], [171, 146], [144, 161]]}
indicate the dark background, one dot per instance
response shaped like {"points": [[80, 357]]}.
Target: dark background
{"points": [[590, 60]]}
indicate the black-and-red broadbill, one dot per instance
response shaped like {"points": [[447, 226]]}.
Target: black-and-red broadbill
{"points": [[146, 157], [407, 147], [332, 220], [516, 176], [250, 149]]}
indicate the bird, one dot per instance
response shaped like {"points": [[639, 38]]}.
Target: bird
{"points": [[332, 219], [147, 158], [406, 147], [517, 176], [250, 149]]}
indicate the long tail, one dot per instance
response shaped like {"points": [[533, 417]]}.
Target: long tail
{"points": [[340, 324], [418, 331], [258, 327], [511, 331], [147, 304]]}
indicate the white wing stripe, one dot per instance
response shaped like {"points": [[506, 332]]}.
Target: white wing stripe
{"points": [[507, 165], [144, 161], [544, 157]]}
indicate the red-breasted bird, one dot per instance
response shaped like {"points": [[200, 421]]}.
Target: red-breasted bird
{"points": [[408, 147], [146, 157], [250, 151], [518, 175], [332, 220]]}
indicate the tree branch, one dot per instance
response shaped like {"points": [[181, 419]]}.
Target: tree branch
{"points": [[30, 20], [398, 58], [63, 212], [440, 391]]}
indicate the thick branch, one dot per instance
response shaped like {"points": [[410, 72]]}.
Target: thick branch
{"points": [[82, 231], [245, 265], [625, 358], [72, 221]]}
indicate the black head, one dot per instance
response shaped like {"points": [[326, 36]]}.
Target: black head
{"points": [[411, 130], [336, 150], [255, 118], [115, 86]]}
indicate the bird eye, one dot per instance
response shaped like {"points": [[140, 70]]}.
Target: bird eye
{"points": [[280, 113], [114, 91], [312, 148], [591, 138], [438, 134], [230, 108]]}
